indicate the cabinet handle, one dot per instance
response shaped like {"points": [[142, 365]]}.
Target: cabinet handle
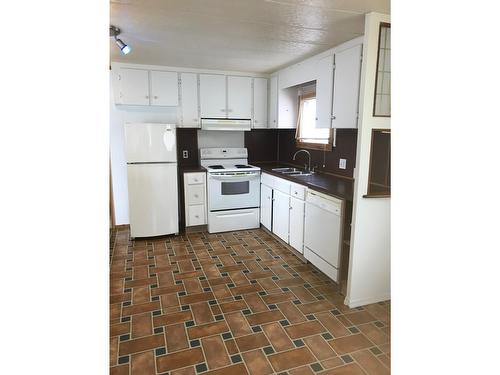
{"points": [[196, 216], [147, 96], [255, 121], [295, 192], [196, 195], [290, 207], [316, 119], [223, 110], [155, 97], [230, 110], [333, 117]]}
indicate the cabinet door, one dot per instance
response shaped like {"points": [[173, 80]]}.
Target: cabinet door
{"points": [[266, 206], [164, 88], [297, 208], [346, 88], [260, 103], [324, 89], [134, 86], [281, 214], [213, 96], [273, 102], [239, 97], [288, 108], [189, 101]]}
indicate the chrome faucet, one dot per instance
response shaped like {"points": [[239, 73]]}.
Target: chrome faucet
{"points": [[306, 166]]}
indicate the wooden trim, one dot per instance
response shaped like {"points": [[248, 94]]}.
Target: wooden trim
{"points": [[122, 226], [382, 24], [368, 193], [111, 200], [317, 146]]}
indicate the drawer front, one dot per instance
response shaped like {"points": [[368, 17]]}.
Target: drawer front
{"points": [[282, 185], [267, 179], [298, 191], [196, 215], [195, 178], [195, 194]]}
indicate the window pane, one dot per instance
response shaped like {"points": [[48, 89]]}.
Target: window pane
{"points": [[308, 132]]}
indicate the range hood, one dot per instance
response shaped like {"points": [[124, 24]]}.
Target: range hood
{"points": [[225, 124]]}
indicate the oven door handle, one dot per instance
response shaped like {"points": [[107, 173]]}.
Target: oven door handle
{"points": [[234, 177]]}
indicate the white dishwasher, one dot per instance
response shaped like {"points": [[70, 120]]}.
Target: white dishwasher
{"points": [[322, 233]]}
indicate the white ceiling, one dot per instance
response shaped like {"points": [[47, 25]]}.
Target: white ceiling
{"points": [[243, 35]]}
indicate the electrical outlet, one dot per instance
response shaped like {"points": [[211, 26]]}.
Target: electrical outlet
{"points": [[185, 154], [342, 163]]}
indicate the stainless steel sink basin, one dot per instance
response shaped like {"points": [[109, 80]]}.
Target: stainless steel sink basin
{"points": [[285, 170], [289, 171]]}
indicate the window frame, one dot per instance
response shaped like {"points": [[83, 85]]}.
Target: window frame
{"points": [[369, 192], [308, 145], [374, 112]]}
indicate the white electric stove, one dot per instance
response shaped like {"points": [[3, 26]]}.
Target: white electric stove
{"points": [[233, 189]]}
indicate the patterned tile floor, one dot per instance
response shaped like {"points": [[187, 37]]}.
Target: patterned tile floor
{"points": [[234, 303]]}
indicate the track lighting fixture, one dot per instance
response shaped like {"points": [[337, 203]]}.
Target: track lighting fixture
{"points": [[114, 32]]}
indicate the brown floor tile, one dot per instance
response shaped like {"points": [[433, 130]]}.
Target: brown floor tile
{"points": [[255, 303], [113, 351], [257, 363], [179, 359], [249, 342], [202, 313], [238, 324], [332, 324], [373, 333], [349, 344], [264, 317], [167, 289], [233, 306], [169, 301], [119, 329], [332, 362], [304, 370], [143, 364], [142, 325], [141, 344], [278, 297], [120, 298], [370, 363], [350, 369], [141, 282], [302, 294], [319, 347], [199, 297], [176, 317], [238, 369], [245, 289], [291, 312], [215, 352], [385, 360], [278, 337], [360, 317], [119, 370], [314, 307], [184, 371], [176, 337], [207, 330], [141, 308], [291, 358], [296, 331]]}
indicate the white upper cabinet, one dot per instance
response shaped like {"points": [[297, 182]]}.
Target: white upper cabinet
{"points": [[346, 87], [260, 103], [324, 85], [288, 107], [133, 87], [189, 116], [239, 97], [273, 102], [164, 88], [213, 96]]}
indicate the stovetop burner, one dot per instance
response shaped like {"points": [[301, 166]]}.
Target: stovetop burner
{"points": [[215, 167], [242, 166]]}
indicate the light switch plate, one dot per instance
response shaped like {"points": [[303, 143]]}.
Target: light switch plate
{"points": [[185, 154], [342, 163]]}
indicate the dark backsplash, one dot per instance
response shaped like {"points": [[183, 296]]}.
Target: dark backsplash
{"points": [[187, 139], [266, 145]]}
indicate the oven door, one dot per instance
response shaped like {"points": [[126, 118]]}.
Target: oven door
{"points": [[231, 191]]}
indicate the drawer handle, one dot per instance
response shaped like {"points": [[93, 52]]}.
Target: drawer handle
{"points": [[295, 192], [196, 216], [196, 195]]}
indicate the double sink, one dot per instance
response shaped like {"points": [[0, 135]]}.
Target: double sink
{"points": [[292, 172]]}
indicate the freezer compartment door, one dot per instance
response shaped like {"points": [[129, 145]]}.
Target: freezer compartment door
{"points": [[152, 191], [150, 143]]}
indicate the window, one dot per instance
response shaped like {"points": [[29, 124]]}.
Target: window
{"points": [[382, 99], [379, 178], [307, 135]]}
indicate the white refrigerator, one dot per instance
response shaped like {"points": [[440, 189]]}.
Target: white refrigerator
{"points": [[152, 179]]}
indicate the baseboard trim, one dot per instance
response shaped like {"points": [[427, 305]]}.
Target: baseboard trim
{"points": [[366, 301], [122, 227]]}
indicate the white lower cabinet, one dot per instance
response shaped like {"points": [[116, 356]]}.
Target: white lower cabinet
{"points": [[195, 198], [282, 209], [266, 206], [281, 214], [297, 210]]}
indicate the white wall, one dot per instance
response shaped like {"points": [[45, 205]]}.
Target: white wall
{"points": [[370, 259], [118, 115]]}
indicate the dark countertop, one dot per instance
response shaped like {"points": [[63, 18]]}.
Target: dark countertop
{"points": [[188, 169], [324, 183]]}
